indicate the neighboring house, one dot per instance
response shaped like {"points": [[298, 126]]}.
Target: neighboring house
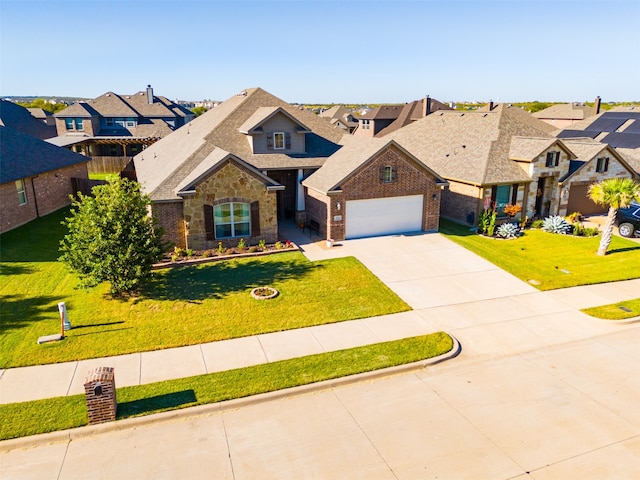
{"points": [[386, 119], [618, 127], [36, 177], [341, 117], [373, 187], [567, 114], [44, 116], [20, 119], [112, 128], [501, 156], [235, 171]]}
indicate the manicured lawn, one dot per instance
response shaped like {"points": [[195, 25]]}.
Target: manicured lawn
{"points": [[616, 311], [41, 416], [182, 306], [552, 261]]}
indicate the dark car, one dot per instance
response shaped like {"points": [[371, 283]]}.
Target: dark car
{"points": [[628, 220]]}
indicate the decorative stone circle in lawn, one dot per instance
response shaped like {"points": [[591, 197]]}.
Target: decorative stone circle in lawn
{"points": [[264, 293]]}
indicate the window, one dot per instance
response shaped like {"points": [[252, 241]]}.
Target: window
{"points": [[278, 140], [109, 122], [387, 174], [232, 220], [68, 123], [22, 193], [78, 122], [131, 122], [553, 159], [502, 196], [366, 124], [602, 165]]}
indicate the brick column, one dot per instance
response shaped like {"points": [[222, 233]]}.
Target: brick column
{"points": [[100, 394]]}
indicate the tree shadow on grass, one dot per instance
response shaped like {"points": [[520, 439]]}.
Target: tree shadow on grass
{"points": [[216, 280], [157, 403], [621, 250], [17, 311]]}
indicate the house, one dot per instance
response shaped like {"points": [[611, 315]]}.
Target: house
{"points": [[386, 119], [373, 187], [341, 117], [112, 128], [235, 171], [565, 115], [44, 116], [254, 161], [21, 120], [618, 127], [36, 177], [503, 155]]}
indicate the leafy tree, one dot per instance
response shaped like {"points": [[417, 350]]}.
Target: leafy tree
{"points": [[197, 111], [614, 193], [44, 104], [111, 237]]}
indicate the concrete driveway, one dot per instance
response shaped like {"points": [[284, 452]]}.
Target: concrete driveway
{"points": [[540, 391]]}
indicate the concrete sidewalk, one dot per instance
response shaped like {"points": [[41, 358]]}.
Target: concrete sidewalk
{"points": [[451, 289]]}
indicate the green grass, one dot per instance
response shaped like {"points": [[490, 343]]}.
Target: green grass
{"points": [[616, 311], [545, 258], [181, 306], [41, 416], [101, 176]]}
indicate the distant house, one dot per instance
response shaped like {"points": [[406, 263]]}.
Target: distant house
{"points": [[21, 119], [112, 128], [341, 117], [567, 114], [44, 116], [503, 155], [36, 177], [386, 119]]}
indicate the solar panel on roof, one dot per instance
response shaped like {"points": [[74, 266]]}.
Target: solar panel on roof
{"points": [[622, 140], [605, 124], [633, 128], [577, 134]]}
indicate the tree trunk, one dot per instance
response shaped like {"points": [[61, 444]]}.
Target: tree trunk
{"points": [[607, 232]]}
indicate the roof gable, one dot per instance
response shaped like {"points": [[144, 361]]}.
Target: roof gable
{"points": [[527, 149], [253, 125], [17, 117]]}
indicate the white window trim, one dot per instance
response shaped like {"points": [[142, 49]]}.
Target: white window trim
{"points": [[387, 176], [602, 164], [275, 142], [232, 222]]}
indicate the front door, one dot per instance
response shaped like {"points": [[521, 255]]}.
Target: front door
{"points": [[540, 197]]}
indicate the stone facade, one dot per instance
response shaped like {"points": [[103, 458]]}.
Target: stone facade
{"points": [[230, 183], [46, 193], [410, 179]]}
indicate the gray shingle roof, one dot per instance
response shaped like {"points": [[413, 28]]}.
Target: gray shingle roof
{"points": [[78, 109], [263, 114], [529, 148], [165, 164], [566, 111], [410, 113], [472, 147], [17, 117], [23, 156]]}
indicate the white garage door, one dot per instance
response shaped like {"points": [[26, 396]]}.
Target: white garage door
{"points": [[383, 216]]}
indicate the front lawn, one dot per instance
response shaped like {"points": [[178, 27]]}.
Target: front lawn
{"points": [[616, 311], [41, 416], [549, 261], [182, 306]]}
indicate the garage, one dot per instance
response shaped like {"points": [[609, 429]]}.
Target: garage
{"points": [[580, 202], [384, 216]]}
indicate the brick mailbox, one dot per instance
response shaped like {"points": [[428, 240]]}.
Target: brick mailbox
{"points": [[100, 393]]}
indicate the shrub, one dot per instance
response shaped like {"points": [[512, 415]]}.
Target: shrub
{"points": [[220, 249], [262, 245], [574, 217], [189, 252], [537, 223], [512, 210], [590, 231], [206, 254], [279, 246], [556, 224], [179, 252], [483, 220], [508, 230]]}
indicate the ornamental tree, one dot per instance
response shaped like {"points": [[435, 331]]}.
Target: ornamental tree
{"points": [[112, 238], [614, 193]]}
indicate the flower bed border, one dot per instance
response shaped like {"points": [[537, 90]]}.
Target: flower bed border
{"points": [[197, 261], [274, 293]]}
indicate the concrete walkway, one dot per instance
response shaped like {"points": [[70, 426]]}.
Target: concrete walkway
{"points": [[449, 288]]}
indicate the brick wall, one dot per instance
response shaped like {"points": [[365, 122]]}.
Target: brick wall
{"points": [[100, 395], [461, 202], [170, 218], [52, 191]]}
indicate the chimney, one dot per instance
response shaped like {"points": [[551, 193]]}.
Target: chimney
{"points": [[597, 104], [149, 94], [426, 108], [490, 105]]}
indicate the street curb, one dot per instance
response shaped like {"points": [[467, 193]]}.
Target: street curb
{"points": [[88, 430]]}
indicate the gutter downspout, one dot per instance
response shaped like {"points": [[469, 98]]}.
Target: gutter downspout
{"points": [[35, 199]]}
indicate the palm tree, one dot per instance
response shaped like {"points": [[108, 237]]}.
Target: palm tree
{"points": [[614, 193]]}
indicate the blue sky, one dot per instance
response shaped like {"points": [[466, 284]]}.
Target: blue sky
{"points": [[347, 51]]}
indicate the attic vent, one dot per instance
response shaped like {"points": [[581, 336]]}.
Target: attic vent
{"points": [[108, 95], [242, 94]]}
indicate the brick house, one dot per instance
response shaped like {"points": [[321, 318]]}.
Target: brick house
{"points": [[503, 155], [36, 177], [373, 187], [112, 128]]}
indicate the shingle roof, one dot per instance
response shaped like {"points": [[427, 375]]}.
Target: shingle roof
{"points": [[529, 148], [263, 114], [23, 156], [383, 112], [566, 111], [78, 109], [348, 160], [472, 147], [19, 118], [410, 113], [165, 164]]}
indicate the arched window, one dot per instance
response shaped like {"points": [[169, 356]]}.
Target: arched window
{"points": [[232, 219]]}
